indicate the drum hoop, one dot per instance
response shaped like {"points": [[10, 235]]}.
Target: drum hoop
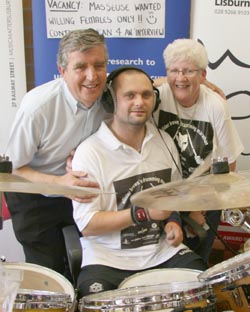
{"points": [[146, 306], [134, 296], [39, 305], [216, 273], [41, 295]]}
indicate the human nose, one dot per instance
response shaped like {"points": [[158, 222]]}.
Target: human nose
{"points": [[182, 72], [91, 73], [139, 100]]}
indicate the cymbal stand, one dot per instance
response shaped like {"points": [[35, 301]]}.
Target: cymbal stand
{"points": [[237, 217]]}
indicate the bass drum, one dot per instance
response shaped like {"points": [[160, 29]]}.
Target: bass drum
{"points": [[230, 280], [42, 289]]}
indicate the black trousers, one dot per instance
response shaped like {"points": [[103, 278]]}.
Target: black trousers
{"points": [[96, 278], [37, 222]]}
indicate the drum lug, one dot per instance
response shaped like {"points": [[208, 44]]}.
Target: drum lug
{"points": [[235, 294]]}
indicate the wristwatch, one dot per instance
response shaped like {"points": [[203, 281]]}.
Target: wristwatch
{"points": [[139, 215]]}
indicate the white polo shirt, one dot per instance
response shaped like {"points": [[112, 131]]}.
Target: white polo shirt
{"points": [[119, 168]]}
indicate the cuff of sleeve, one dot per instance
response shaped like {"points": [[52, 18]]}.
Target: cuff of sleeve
{"points": [[174, 217]]}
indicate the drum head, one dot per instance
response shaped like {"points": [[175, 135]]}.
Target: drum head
{"points": [[36, 277], [160, 276], [233, 268]]}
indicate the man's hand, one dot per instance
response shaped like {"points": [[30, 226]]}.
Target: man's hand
{"points": [[160, 80], [69, 161], [71, 178], [198, 217], [174, 234], [78, 178], [215, 88]]}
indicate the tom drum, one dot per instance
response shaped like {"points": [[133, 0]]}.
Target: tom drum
{"points": [[154, 290], [42, 289], [230, 280]]}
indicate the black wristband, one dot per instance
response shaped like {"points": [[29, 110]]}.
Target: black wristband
{"points": [[139, 215]]}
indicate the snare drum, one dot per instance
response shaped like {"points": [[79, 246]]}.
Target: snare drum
{"points": [[42, 287], [168, 297], [230, 280], [160, 276]]}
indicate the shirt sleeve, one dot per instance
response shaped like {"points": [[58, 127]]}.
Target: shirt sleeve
{"points": [[24, 139], [227, 142], [85, 160], [174, 217]]}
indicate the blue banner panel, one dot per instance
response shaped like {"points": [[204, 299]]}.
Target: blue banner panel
{"points": [[145, 53]]}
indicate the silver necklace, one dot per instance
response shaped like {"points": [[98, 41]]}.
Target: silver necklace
{"points": [[181, 124], [197, 158]]}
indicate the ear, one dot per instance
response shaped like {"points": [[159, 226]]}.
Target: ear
{"points": [[203, 75], [61, 70]]}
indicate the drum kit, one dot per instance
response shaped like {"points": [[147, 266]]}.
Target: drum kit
{"points": [[223, 287]]}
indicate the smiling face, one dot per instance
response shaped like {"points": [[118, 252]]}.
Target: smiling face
{"points": [[186, 88], [85, 74], [134, 98]]}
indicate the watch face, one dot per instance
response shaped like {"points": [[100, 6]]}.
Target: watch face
{"points": [[139, 215]]}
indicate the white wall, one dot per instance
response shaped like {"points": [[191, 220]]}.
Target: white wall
{"points": [[224, 31], [12, 89], [12, 64]]}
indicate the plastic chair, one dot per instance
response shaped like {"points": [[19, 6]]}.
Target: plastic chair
{"points": [[74, 250]]}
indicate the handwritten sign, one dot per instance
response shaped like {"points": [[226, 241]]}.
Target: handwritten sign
{"points": [[112, 18]]}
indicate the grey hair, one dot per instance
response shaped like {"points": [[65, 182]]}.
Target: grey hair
{"points": [[79, 40], [186, 50]]}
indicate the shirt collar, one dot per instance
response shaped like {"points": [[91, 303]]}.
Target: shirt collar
{"points": [[113, 143], [73, 103]]}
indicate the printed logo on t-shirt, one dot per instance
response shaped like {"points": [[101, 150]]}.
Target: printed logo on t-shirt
{"points": [[149, 232], [193, 139]]}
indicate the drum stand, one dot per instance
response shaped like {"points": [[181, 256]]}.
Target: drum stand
{"points": [[239, 218]]}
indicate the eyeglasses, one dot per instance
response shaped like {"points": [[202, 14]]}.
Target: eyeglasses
{"points": [[185, 72]]}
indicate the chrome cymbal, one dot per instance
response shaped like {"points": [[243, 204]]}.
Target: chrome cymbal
{"points": [[208, 192], [13, 183]]}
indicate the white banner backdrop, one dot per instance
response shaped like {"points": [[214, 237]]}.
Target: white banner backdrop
{"points": [[12, 89], [223, 28], [12, 64]]}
